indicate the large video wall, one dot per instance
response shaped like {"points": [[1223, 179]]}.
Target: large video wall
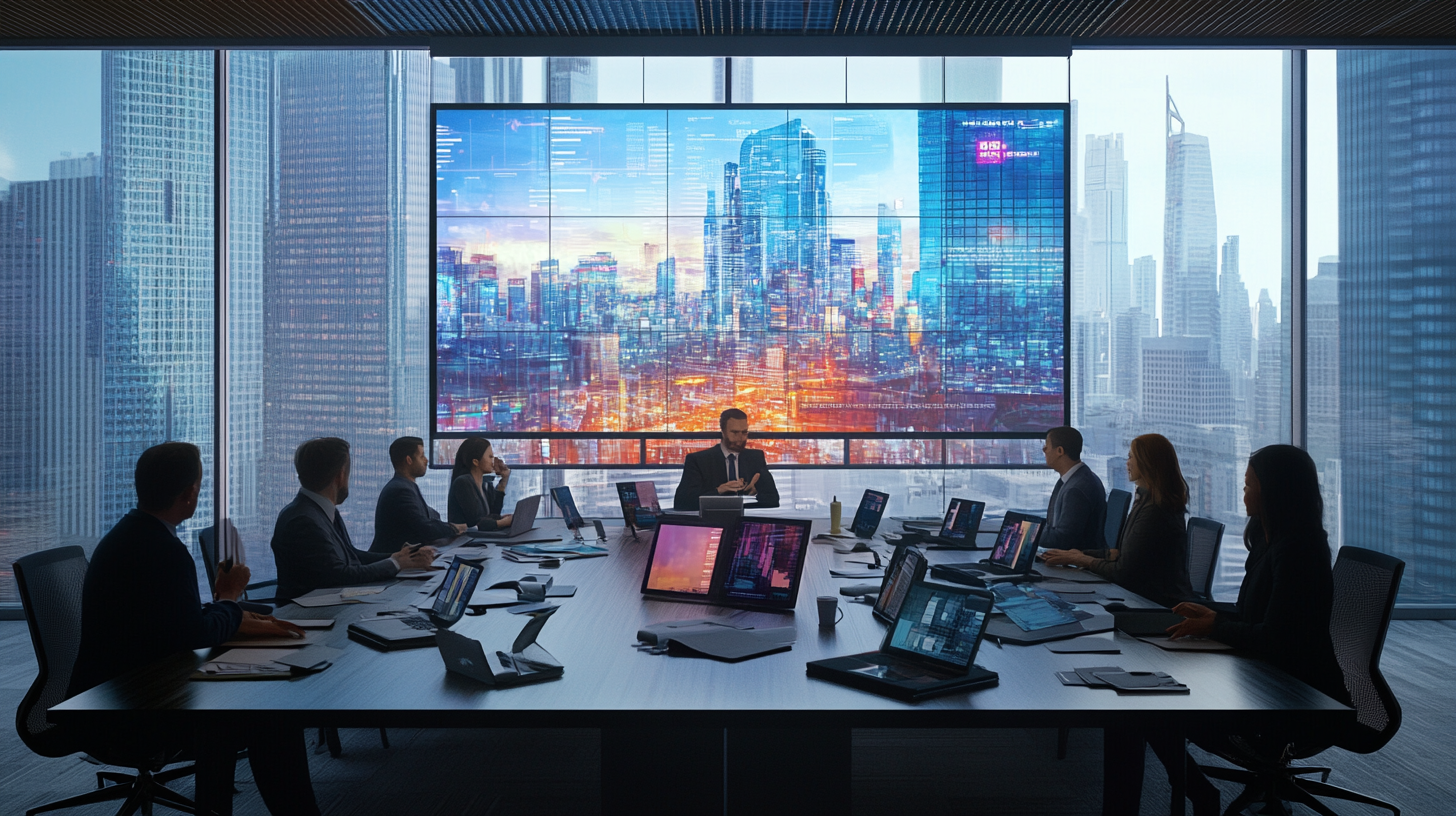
{"points": [[854, 271]]}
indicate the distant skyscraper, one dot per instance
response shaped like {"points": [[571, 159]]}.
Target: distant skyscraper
{"points": [[1267, 405], [1397, 413], [1183, 384], [488, 79], [1145, 290], [888, 246], [1236, 335], [345, 297], [973, 79], [1105, 200], [1190, 235], [667, 287], [157, 284], [1129, 329], [1322, 361], [442, 80], [570, 79]]}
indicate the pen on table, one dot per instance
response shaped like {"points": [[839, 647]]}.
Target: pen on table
{"points": [[997, 641]]}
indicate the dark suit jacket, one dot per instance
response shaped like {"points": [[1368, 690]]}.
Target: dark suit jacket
{"points": [[475, 506], [140, 603], [1076, 514], [1284, 609], [311, 554], [1152, 554], [401, 516], [704, 470]]}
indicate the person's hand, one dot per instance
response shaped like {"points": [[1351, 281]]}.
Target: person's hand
{"points": [[255, 625], [730, 487], [504, 522], [1066, 558], [1199, 621], [499, 468], [751, 488], [458, 528], [410, 558], [232, 580]]}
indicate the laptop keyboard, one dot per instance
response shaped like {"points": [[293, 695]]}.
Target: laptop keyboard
{"points": [[418, 622]]}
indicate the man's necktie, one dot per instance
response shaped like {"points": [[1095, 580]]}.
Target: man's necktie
{"points": [[342, 530], [732, 467], [1052, 505]]}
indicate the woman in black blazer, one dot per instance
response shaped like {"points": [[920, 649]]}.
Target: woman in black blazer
{"points": [[476, 501], [1151, 556]]}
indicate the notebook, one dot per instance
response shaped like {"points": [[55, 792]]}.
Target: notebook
{"points": [[907, 567], [929, 650], [756, 563], [871, 510], [562, 496], [640, 509], [959, 527], [522, 520], [393, 630]]}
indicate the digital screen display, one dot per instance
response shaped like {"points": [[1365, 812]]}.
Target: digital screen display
{"points": [[766, 562], [860, 270], [867, 517], [903, 572], [567, 504], [456, 589], [639, 503], [940, 624], [961, 519], [1016, 543], [683, 557]]}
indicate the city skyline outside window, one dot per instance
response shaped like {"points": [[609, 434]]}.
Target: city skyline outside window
{"points": [[1378, 230]]}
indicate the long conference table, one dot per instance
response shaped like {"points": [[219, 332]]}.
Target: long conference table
{"points": [[690, 735]]}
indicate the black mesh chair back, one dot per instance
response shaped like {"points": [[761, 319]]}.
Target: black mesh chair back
{"points": [[50, 584], [1366, 583], [1205, 536], [1117, 503]]}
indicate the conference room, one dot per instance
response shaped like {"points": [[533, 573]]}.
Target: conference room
{"points": [[751, 314]]}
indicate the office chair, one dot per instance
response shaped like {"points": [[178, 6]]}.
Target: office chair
{"points": [[50, 584], [1118, 501], [1366, 583], [207, 546], [1205, 537]]}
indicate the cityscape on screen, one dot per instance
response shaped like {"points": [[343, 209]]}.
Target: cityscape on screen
{"points": [[831, 270]]}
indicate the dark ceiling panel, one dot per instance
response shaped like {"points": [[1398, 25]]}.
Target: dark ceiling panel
{"points": [[573, 18], [183, 19], [1280, 19]]}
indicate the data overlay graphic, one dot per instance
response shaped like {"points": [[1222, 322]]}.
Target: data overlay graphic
{"points": [[830, 270]]}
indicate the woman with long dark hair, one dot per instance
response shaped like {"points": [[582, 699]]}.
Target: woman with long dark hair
{"points": [[475, 498], [1151, 553], [1282, 616]]}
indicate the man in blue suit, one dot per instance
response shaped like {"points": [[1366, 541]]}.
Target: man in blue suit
{"points": [[1077, 512], [402, 516], [311, 545]]}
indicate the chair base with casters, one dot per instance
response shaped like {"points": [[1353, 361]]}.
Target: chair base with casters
{"points": [[1275, 783], [140, 791]]}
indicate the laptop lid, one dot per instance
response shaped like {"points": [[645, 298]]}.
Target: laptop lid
{"points": [[683, 557], [907, 566], [867, 517], [766, 563], [962, 520], [639, 504], [1016, 542], [562, 496], [721, 510], [940, 626], [455, 591], [524, 516]]}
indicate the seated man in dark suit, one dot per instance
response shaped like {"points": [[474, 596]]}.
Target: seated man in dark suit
{"points": [[1077, 512], [311, 545], [140, 604], [728, 468], [401, 515]]}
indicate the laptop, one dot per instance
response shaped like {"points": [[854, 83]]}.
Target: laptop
{"points": [[720, 510], [929, 650], [756, 563], [567, 505], [959, 527], [906, 567], [871, 510], [1013, 555], [408, 631], [640, 509], [523, 521]]}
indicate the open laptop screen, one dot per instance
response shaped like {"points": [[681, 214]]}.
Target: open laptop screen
{"points": [[569, 513], [906, 567], [941, 624], [962, 519], [456, 590], [682, 559], [1016, 543], [639, 503], [768, 561], [867, 517]]}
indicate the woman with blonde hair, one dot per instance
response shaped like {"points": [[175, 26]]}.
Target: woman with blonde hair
{"points": [[1151, 556]]}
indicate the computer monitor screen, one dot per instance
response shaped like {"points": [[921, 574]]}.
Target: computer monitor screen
{"points": [[867, 517], [682, 558], [767, 560], [562, 497], [907, 567], [962, 519], [940, 623], [1016, 543], [639, 503], [456, 589]]}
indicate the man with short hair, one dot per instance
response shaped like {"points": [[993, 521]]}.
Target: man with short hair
{"points": [[140, 604], [311, 545], [401, 515], [1077, 512], [729, 468]]}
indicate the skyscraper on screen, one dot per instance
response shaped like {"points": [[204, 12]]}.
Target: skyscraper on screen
{"points": [[1396, 300]]}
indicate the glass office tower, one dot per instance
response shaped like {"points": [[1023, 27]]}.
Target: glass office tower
{"points": [[1397, 312], [157, 267]]}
